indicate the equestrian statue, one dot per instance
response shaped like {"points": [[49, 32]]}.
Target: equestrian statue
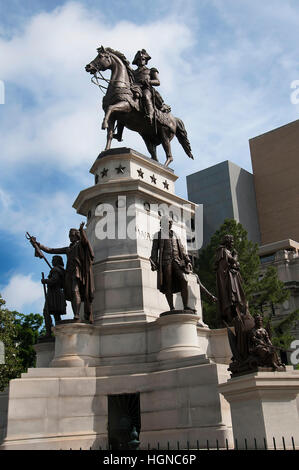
{"points": [[132, 101]]}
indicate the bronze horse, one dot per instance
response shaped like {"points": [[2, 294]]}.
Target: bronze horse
{"points": [[121, 103]]}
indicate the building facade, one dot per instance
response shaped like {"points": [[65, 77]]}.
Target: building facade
{"points": [[275, 164], [226, 191]]}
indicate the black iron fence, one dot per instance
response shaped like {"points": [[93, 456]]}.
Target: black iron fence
{"points": [[254, 443]]}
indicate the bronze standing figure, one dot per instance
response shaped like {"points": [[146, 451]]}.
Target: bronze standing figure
{"points": [[132, 102], [55, 303], [230, 292], [79, 282], [171, 262], [249, 342]]}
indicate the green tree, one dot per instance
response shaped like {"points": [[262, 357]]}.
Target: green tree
{"points": [[281, 331], [19, 333], [28, 329], [263, 290], [8, 335]]}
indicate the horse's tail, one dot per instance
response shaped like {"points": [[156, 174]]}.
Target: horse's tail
{"points": [[182, 137]]}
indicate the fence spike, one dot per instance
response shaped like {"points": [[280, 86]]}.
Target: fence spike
{"points": [[274, 443], [226, 443], [284, 444], [265, 444], [293, 443]]}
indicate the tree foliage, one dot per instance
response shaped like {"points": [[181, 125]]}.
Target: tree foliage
{"points": [[263, 290], [8, 335], [19, 333], [27, 327]]}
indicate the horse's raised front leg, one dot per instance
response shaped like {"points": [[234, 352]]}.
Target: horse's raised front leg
{"points": [[121, 107]]}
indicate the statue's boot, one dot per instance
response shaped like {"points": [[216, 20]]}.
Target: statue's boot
{"points": [[184, 294], [48, 322], [169, 298], [88, 311], [76, 303], [149, 110]]}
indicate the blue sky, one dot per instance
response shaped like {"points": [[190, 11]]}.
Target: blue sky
{"points": [[226, 68]]}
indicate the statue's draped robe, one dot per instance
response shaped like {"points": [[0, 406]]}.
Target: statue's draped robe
{"points": [[230, 291], [78, 268], [56, 303]]}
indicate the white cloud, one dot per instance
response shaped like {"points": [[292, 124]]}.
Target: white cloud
{"points": [[49, 218], [25, 295], [21, 292]]}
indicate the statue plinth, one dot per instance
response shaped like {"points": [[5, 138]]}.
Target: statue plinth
{"points": [[263, 405], [174, 362], [136, 189], [177, 312]]}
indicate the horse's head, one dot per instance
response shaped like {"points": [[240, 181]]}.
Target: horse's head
{"points": [[101, 62]]}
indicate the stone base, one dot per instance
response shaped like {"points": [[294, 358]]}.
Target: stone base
{"points": [[145, 338], [3, 413], [125, 286], [238, 369], [263, 407], [178, 335], [71, 321], [45, 351], [45, 339], [177, 312], [66, 406], [63, 408], [174, 335]]}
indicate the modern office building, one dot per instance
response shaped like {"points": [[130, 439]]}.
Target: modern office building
{"points": [[226, 191], [275, 163]]}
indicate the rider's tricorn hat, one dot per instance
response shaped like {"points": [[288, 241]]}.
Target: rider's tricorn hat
{"points": [[139, 54]]}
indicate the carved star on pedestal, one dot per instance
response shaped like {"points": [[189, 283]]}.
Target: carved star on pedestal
{"points": [[140, 173], [166, 185], [120, 169], [104, 172], [154, 179]]}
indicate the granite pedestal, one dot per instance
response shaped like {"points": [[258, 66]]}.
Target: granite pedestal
{"points": [[175, 363]]}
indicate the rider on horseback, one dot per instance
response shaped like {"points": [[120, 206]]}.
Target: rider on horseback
{"points": [[147, 78], [144, 81]]}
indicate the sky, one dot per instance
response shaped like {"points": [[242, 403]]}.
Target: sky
{"points": [[226, 68]]}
